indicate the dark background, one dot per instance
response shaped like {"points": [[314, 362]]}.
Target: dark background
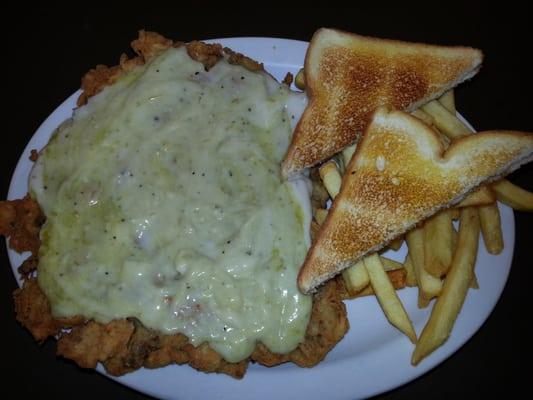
{"points": [[46, 52]]}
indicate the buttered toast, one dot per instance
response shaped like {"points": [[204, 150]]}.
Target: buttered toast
{"points": [[398, 176], [348, 76]]}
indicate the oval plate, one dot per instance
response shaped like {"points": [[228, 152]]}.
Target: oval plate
{"points": [[373, 357]]}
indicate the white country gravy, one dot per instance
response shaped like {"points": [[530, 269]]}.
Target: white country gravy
{"points": [[164, 202]]}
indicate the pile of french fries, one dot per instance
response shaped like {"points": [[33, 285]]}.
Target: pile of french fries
{"points": [[440, 260]]}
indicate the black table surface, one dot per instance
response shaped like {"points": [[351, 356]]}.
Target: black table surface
{"points": [[47, 53]]}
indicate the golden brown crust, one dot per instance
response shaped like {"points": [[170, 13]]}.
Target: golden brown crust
{"points": [[21, 220], [240, 59], [348, 76], [34, 155], [126, 345], [146, 46], [327, 326], [33, 311], [207, 54], [398, 176], [288, 79], [170, 352], [133, 355], [93, 342], [149, 45]]}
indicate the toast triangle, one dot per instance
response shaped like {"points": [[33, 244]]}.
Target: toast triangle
{"points": [[399, 175], [348, 76]]}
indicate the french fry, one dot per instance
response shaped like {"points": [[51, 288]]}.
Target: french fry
{"points": [[367, 291], [331, 177], [347, 153], [449, 303], [456, 213], [396, 277], [491, 229], [387, 297], [448, 101], [428, 285], [410, 270], [512, 195], [451, 126], [299, 80], [448, 123], [355, 278], [396, 243], [423, 116], [320, 215], [473, 283], [357, 282], [438, 243], [480, 197], [454, 239], [445, 121]]}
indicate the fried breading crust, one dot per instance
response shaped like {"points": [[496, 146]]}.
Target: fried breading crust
{"points": [[328, 325], [34, 313], [21, 220], [93, 342], [126, 345], [149, 45]]}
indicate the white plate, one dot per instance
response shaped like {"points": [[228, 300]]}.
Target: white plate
{"points": [[372, 358]]}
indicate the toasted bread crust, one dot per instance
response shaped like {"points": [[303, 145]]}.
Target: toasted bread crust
{"points": [[348, 76], [399, 176]]}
